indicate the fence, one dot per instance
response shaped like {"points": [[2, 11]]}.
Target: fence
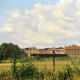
{"points": [[48, 64]]}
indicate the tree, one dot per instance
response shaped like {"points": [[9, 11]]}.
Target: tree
{"points": [[7, 50]]}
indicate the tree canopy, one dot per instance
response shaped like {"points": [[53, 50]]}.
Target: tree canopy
{"points": [[7, 50]]}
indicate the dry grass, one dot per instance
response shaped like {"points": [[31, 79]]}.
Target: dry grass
{"points": [[49, 65], [59, 64], [41, 65]]}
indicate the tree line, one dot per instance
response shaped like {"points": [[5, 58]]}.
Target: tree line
{"points": [[7, 51]]}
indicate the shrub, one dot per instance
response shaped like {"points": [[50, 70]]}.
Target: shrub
{"points": [[66, 73], [5, 75], [37, 57], [27, 70]]}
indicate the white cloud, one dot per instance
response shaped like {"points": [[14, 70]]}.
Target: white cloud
{"points": [[77, 4], [14, 13], [45, 24], [6, 29]]}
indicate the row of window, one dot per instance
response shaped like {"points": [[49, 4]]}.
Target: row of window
{"points": [[59, 50], [73, 50], [73, 54]]}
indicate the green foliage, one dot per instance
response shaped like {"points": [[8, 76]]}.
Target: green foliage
{"points": [[76, 69], [75, 62], [66, 73], [63, 58], [7, 50], [5, 75], [27, 70], [23, 59], [37, 57], [48, 75]]}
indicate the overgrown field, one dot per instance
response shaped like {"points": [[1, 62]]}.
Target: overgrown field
{"points": [[65, 69]]}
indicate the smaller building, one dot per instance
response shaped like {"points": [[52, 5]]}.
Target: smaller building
{"points": [[44, 52], [60, 50], [49, 50], [34, 50], [72, 51], [23, 52]]}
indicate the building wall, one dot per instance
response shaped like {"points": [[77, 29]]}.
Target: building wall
{"points": [[72, 51], [50, 51], [60, 51], [34, 51], [44, 52]]}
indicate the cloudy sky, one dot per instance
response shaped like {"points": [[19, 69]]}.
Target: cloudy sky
{"points": [[40, 23]]}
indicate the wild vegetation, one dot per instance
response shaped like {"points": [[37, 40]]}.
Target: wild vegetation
{"points": [[28, 69]]}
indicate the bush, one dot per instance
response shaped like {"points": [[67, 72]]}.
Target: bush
{"points": [[48, 75], [5, 75], [27, 70], [37, 57], [76, 70], [66, 73]]}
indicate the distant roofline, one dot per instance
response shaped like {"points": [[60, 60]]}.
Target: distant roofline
{"points": [[27, 48], [60, 48]]}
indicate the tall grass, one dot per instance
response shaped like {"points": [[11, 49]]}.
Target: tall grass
{"points": [[39, 69], [29, 71], [35, 59]]}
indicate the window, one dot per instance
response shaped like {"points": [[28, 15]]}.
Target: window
{"points": [[68, 55], [77, 54], [68, 50], [58, 50], [76, 50]]}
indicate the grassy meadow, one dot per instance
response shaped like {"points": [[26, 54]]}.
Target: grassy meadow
{"points": [[44, 64], [41, 65]]}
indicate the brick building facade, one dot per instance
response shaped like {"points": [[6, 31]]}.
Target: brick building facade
{"points": [[72, 51]]}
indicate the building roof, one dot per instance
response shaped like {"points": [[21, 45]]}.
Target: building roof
{"points": [[30, 48], [44, 52], [40, 50], [60, 48], [72, 47]]}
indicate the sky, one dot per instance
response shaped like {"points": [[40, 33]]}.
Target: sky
{"points": [[40, 23]]}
